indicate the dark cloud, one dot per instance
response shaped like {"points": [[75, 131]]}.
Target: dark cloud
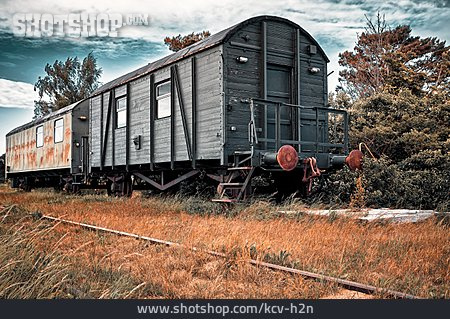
{"points": [[34, 53], [295, 11], [334, 23], [325, 20]]}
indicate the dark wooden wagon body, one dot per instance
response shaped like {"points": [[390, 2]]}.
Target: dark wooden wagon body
{"points": [[251, 97]]}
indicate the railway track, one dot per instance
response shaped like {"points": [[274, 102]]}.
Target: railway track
{"points": [[347, 284]]}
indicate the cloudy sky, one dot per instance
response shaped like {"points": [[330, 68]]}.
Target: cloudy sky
{"points": [[333, 23]]}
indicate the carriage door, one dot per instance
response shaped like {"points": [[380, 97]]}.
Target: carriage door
{"points": [[279, 89]]}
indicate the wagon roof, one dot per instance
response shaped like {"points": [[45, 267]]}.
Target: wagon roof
{"points": [[213, 40], [45, 118]]}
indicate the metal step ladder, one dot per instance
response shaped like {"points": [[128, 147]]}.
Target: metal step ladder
{"points": [[233, 191]]}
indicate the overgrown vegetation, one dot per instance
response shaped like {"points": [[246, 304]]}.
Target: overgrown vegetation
{"points": [[410, 137], [396, 89]]}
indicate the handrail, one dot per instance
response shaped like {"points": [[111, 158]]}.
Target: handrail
{"points": [[252, 134], [253, 137], [265, 101]]}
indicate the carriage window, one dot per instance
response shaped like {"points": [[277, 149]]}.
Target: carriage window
{"points": [[163, 100], [40, 136], [121, 112], [59, 131]]}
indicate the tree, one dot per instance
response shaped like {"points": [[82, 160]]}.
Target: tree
{"points": [[339, 100], [66, 83], [179, 42], [386, 59]]}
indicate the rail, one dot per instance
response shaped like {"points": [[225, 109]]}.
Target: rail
{"points": [[347, 284], [277, 140]]}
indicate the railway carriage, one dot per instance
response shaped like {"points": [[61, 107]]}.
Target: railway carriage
{"points": [[248, 101], [49, 151]]}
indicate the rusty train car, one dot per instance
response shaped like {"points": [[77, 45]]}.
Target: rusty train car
{"points": [[248, 101], [48, 150]]}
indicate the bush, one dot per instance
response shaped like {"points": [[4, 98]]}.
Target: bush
{"points": [[388, 184], [410, 136]]}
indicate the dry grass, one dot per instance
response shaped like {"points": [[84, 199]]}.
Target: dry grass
{"points": [[34, 265], [412, 258], [86, 264]]}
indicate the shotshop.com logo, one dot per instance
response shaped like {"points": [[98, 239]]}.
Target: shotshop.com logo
{"points": [[74, 25]]}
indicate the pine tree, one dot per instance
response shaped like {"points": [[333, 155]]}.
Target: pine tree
{"points": [[391, 59]]}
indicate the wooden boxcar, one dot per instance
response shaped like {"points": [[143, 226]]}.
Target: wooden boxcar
{"points": [[47, 149], [248, 101], [224, 105]]}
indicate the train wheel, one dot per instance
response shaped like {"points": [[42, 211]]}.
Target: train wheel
{"points": [[127, 186], [27, 184], [109, 185], [15, 183], [75, 189], [119, 186]]}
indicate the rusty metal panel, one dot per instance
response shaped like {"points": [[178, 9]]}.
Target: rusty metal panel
{"points": [[23, 155]]}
